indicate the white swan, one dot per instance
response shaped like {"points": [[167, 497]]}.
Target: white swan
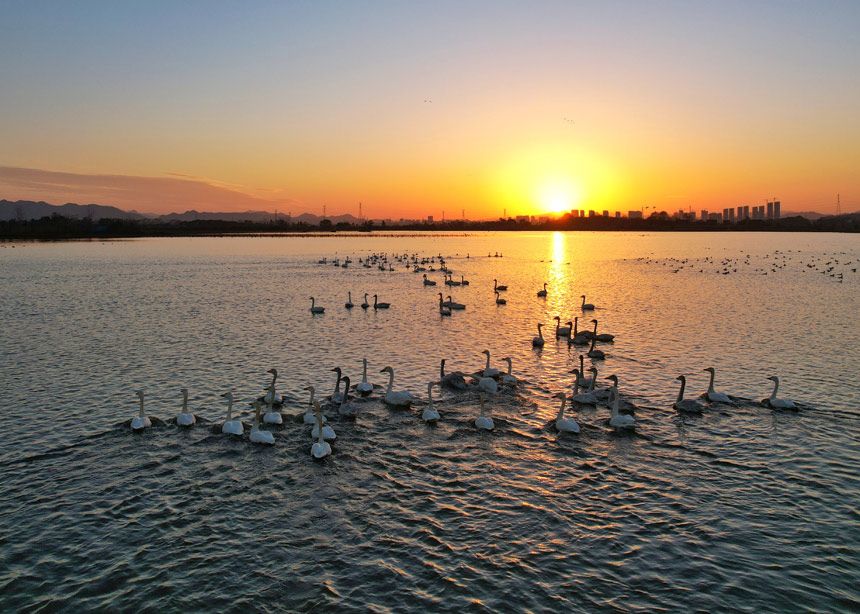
{"points": [[771, 401], [337, 395], [271, 416], [315, 308], [508, 378], [454, 380], [538, 341], [542, 293], [400, 398], [258, 435], [185, 418], [488, 385], [617, 420], [309, 417], [328, 433], [272, 396], [561, 331], [364, 387], [321, 448], [489, 371], [562, 424], [687, 406], [231, 426], [430, 413], [347, 408], [711, 395], [140, 421], [483, 422], [583, 398], [585, 306]]}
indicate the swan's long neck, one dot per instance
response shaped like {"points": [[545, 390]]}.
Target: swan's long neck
{"points": [[442, 370], [184, 402], [540, 333], [390, 380], [349, 297], [141, 414], [595, 329], [430, 394], [374, 300], [561, 409], [576, 385], [337, 384], [711, 383], [345, 398], [575, 328], [615, 404], [510, 366], [592, 382], [320, 428], [364, 370], [312, 302], [681, 391], [593, 341], [772, 394], [311, 402], [581, 365], [583, 301], [229, 408], [482, 406], [488, 361]]}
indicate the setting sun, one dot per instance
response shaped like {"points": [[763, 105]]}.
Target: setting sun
{"points": [[558, 196]]}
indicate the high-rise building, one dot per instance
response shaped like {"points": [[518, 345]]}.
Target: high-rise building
{"points": [[634, 215], [704, 215], [726, 214], [574, 213], [769, 210], [605, 213], [617, 214], [776, 212]]}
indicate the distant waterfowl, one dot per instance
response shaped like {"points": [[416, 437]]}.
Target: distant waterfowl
{"points": [[349, 304], [364, 387], [711, 395], [444, 310], [508, 378], [347, 408], [399, 398], [258, 435], [365, 304], [321, 448], [430, 413], [316, 308], [687, 406], [141, 420], [455, 380], [450, 303], [542, 293], [484, 422], [585, 306], [772, 401], [463, 282], [185, 418], [377, 305], [617, 420], [497, 287], [561, 331], [562, 424], [231, 425], [500, 300], [428, 282], [538, 341], [488, 370]]}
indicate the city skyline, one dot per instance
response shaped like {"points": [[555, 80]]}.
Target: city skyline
{"points": [[617, 106]]}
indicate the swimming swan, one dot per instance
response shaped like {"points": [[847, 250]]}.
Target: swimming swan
{"points": [[715, 397], [309, 417], [771, 401], [483, 422], [507, 378], [585, 306], [617, 420], [140, 421], [273, 397], [562, 424], [400, 398], [231, 426], [430, 413], [364, 387], [561, 331], [315, 308], [687, 406], [321, 448], [347, 408], [542, 293], [455, 380], [185, 418], [538, 341], [489, 371], [258, 435]]}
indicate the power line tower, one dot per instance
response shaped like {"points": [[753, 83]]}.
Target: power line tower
{"points": [[360, 218], [838, 205]]}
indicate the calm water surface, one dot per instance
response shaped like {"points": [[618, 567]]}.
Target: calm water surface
{"points": [[741, 508]]}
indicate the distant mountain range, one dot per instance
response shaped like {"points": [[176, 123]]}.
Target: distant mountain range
{"points": [[29, 210]]}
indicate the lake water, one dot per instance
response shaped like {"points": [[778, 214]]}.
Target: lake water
{"points": [[741, 508]]}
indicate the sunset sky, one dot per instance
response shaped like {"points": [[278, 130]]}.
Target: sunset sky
{"points": [[413, 108]]}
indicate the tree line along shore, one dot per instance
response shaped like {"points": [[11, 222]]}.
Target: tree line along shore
{"points": [[57, 227]]}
